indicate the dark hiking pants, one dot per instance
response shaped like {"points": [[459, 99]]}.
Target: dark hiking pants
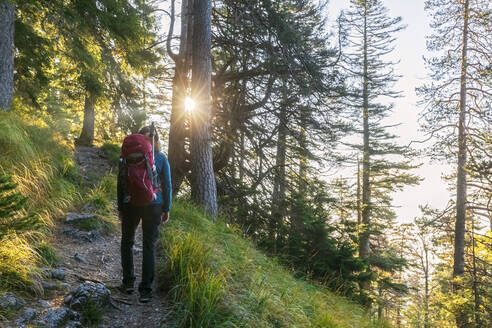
{"points": [[151, 217]]}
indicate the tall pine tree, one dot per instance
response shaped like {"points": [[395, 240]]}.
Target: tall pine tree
{"points": [[457, 112], [370, 36]]}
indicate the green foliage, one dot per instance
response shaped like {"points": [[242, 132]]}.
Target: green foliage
{"points": [[102, 197], [47, 253], [218, 279], [309, 239], [113, 152], [41, 167], [34, 55], [11, 205], [92, 313], [18, 265], [197, 288]]}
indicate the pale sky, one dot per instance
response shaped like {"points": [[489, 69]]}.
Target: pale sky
{"points": [[410, 48]]}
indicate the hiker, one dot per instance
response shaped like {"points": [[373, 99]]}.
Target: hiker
{"points": [[152, 215]]}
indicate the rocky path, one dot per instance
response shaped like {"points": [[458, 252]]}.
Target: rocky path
{"points": [[88, 259]]}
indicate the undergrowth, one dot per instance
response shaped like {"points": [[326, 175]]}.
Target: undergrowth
{"points": [[40, 162], [113, 152], [218, 279]]}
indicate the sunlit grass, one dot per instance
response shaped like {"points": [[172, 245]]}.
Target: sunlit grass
{"points": [[218, 279], [42, 166], [18, 265]]}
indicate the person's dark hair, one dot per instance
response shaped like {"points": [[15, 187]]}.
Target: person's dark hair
{"points": [[148, 131]]}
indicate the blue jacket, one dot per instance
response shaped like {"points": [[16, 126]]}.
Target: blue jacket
{"points": [[165, 193]]}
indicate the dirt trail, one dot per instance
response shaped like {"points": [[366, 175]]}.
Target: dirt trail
{"points": [[103, 265], [97, 257]]}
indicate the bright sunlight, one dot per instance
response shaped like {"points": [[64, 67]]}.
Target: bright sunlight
{"points": [[189, 104]]}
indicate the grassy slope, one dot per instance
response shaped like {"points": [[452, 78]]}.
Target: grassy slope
{"points": [[41, 163], [219, 279]]}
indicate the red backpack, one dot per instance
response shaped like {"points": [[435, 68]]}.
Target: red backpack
{"points": [[137, 167]]}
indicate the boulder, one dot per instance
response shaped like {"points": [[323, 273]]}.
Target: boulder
{"points": [[11, 302], [58, 274], [77, 217], [27, 316], [80, 258], [55, 318], [88, 292], [49, 285], [84, 236]]}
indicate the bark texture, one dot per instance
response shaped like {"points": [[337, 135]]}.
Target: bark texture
{"points": [[87, 135], [203, 187], [178, 133], [7, 18]]}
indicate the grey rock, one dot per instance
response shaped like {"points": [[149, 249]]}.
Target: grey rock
{"points": [[27, 316], [74, 324], [83, 236], [58, 274], [88, 292], [44, 304], [49, 285], [55, 318], [80, 258], [94, 236], [88, 208], [11, 302], [76, 217]]}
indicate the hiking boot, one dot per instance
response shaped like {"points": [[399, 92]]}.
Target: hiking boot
{"points": [[145, 297], [127, 288]]}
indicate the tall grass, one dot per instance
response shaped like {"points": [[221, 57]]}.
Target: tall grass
{"points": [[218, 279], [41, 164]]}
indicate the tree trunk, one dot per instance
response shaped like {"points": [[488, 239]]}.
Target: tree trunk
{"points": [[459, 235], [359, 187], [278, 194], [426, 300], [475, 281], [380, 302], [203, 188], [7, 18], [242, 157], [87, 136], [303, 155], [364, 248], [178, 132]]}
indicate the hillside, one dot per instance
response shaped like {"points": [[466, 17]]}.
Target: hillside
{"points": [[218, 279], [209, 274]]}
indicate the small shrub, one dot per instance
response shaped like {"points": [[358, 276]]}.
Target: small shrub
{"points": [[92, 313], [47, 254], [113, 152], [11, 205]]}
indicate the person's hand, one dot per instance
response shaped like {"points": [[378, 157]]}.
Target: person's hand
{"points": [[164, 217]]}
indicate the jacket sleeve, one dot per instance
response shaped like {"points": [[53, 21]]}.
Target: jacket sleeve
{"points": [[166, 186]]}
